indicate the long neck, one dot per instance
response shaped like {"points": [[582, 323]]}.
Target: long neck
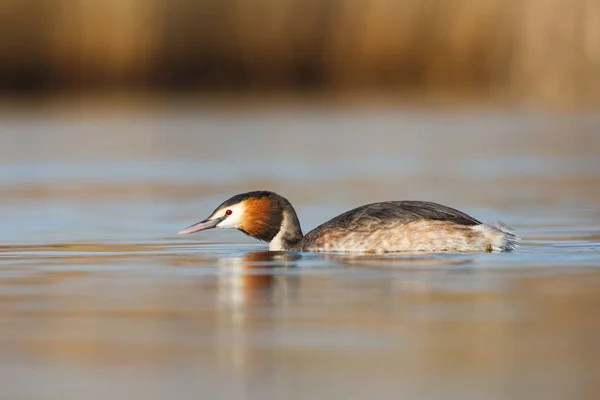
{"points": [[290, 233]]}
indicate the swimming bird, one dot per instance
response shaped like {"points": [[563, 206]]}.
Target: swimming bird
{"points": [[385, 227]]}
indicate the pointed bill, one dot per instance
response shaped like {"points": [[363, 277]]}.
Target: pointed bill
{"points": [[200, 226]]}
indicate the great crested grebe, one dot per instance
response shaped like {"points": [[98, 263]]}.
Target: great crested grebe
{"points": [[391, 226]]}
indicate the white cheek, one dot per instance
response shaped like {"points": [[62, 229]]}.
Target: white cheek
{"points": [[234, 220]]}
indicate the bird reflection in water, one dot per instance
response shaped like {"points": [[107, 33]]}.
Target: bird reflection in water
{"points": [[256, 277], [251, 289]]}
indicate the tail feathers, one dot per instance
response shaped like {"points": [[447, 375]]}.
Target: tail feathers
{"points": [[501, 237]]}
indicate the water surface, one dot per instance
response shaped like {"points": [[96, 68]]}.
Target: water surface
{"points": [[99, 298]]}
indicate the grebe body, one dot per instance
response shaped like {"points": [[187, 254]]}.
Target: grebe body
{"points": [[385, 227]]}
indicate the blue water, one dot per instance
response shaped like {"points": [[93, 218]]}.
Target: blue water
{"points": [[99, 298]]}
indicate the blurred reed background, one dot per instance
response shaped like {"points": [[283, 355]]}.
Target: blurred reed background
{"points": [[123, 121], [540, 51]]}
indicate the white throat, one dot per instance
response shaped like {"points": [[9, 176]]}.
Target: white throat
{"points": [[277, 242]]}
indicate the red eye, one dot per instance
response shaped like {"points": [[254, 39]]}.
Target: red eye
{"points": [[228, 212]]}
